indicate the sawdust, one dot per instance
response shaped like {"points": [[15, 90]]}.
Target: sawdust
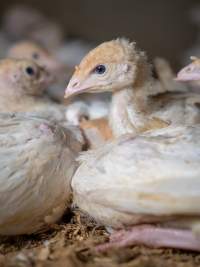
{"points": [[71, 244]]}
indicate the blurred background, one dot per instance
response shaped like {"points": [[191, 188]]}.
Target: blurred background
{"points": [[163, 28]]}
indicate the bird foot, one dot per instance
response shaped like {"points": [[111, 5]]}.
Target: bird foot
{"points": [[152, 236]]}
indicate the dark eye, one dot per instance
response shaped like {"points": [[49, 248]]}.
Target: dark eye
{"points": [[35, 56], [189, 69], [30, 71], [100, 69]]}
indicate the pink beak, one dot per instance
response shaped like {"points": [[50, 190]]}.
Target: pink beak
{"points": [[189, 73], [73, 88]]}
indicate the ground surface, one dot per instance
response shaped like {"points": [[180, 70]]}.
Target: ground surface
{"points": [[71, 244]]}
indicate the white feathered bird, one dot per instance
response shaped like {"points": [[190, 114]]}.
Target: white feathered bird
{"points": [[37, 162], [151, 178]]}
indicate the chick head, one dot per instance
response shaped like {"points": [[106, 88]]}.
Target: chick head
{"points": [[37, 53], [22, 77], [191, 72], [111, 66]]}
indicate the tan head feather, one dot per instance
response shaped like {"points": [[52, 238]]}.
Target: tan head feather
{"points": [[115, 51]]}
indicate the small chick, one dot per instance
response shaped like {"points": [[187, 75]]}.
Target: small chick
{"points": [[22, 83], [120, 67], [37, 162], [46, 59]]}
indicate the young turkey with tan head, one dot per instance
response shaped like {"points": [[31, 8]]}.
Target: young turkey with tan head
{"points": [[146, 183], [120, 67]]}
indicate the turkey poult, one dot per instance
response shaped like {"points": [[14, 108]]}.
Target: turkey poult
{"points": [[22, 85], [137, 106], [59, 72], [150, 178], [37, 162], [148, 186]]}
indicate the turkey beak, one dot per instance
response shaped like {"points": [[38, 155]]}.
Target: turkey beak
{"points": [[189, 73], [74, 88]]}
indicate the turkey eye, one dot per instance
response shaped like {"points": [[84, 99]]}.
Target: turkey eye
{"points": [[100, 69], [35, 55], [30, 71]]}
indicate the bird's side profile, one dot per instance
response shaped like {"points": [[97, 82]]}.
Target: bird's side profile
{"points": [[37, 162], [22, 85], [144, 188], [190, 73], [120, 67]]}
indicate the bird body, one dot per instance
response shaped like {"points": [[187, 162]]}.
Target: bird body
{"points": [[138, 177], [41, 106], [150, 188], [37, 162], [132, 113]]}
